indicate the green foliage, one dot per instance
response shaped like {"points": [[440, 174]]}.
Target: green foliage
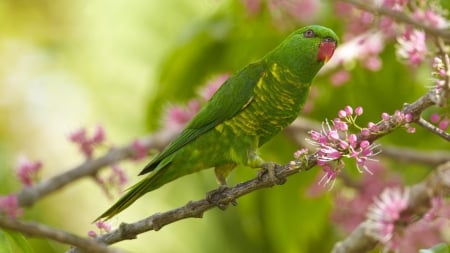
{"points": [[219, 44], [13, 242], [439, 248]]}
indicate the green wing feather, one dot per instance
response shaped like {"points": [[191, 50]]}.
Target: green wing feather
{"points": [[233, 96]]}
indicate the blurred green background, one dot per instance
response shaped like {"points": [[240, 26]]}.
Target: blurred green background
{"points": [[71, 64]]}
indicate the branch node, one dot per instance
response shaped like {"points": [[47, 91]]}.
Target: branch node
{"points": [[123, 230], [190, 208], [220, 198], [157, 222]]}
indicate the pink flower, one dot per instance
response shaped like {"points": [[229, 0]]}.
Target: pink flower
{"points": [[385, 212], [177, 117], [358, 111], [412, 47], [302, 10], [435, 118], [301, 152], [430, 18], [373, 63], [443, 125], [334, 142], [252, 6], [394, 4], [118, 177], [103, 226], [9, 205], [340, 77], [140, 149], [86, 144], [28, 171], [330, 175], [92, 234], [212, 86]]}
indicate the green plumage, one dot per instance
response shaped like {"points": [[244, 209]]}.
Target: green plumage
{"points": [[250, 108]]}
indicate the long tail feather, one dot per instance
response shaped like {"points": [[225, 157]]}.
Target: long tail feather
{"points": [[132, 194]]}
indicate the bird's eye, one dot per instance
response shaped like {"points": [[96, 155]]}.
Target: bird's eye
{"points": [[328, 39], [309, 34]]}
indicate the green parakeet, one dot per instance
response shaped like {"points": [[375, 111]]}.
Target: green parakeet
{"points": [[251, 107]]}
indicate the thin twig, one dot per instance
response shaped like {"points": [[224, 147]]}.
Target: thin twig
{"points": [[40, 230], [434, 129], [30, 194], [431, 158]]}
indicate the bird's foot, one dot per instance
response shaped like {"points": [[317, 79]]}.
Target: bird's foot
{"points": [[269, 169], [219, 198]]}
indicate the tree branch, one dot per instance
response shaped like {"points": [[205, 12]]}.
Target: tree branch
{"points": [[419, 201], [29, 195], [432, 128], [40, 230], [433, 158], [197, 208], [400, 17]]}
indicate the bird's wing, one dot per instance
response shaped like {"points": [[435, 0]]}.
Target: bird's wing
{"points": [[233, 96]]}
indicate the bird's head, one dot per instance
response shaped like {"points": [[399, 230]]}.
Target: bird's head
{"points": [[306, 50]]}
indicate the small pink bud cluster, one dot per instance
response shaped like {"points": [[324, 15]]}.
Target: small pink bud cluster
{"points": [[116, 179], [140, 150], [441, 121], [87, 144], [384, 213], [430, 18], [28, 171], [400, 119], [103, 226], [441, 76], [334, 142], [178, 116], [9, 205]]}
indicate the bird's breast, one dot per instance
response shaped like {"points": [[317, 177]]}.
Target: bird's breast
{"points": [[275, 104]]}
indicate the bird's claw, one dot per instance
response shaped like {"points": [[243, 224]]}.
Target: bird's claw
{"points": [[269, 169], [216, 197]]}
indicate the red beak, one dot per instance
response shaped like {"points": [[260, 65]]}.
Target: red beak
{"points": [[326, 49]]}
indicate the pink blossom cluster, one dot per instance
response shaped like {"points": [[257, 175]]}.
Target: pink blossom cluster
{"points": [[399, 118], [334, 142], [355, 195], [115, 179], [361, 25], [356, 201], [412, 46], [28, 171], [384, 213], [178, 116], [140, 150], [9, 205], [441, 76], [103, 226], [400, 232], [87, 144], [442, 122], [118, 177]]}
